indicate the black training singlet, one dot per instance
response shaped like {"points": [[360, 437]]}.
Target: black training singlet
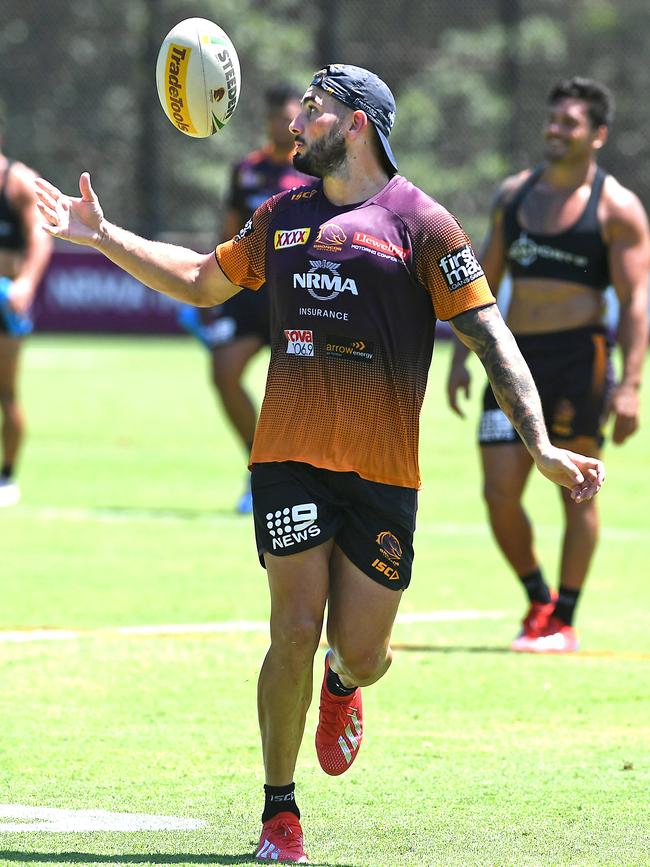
{"points": [[577, 255], [11, 230]]}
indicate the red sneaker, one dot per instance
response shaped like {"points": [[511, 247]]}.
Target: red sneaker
{"points": [[534, 623], [340, 728], [556, 637], [281, 840]]}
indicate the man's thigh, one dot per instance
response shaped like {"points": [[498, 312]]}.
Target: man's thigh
{"points": [[361, 612]]}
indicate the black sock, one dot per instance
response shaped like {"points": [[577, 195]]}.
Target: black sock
{"points": [[535, 586], [565, 607], [334, 685], [279, 799], [7, 471]]}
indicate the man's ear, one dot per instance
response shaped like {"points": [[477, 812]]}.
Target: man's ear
{"points": [[358, 122], [601, 136]]}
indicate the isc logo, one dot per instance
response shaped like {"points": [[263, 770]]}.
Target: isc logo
{"points": [[303, 194], [391, 573]]}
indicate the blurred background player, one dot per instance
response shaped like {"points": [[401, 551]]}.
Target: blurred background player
{"points": [[565, 230], [235, 331], [25, 251]]}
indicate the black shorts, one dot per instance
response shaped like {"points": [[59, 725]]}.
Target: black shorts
{"points": [[246, 314], [297, 506], [574, 376]]}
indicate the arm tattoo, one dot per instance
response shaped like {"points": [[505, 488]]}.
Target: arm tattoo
{"points": [[485, 333]]}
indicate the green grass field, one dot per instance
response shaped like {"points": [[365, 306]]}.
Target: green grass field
{"points": [[472, 755]]}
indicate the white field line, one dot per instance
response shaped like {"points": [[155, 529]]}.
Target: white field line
{"points": [[107, 515], [55, 820], [21, 636]]}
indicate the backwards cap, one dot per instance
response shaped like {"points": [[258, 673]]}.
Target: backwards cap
{"points": [[361, 89]]}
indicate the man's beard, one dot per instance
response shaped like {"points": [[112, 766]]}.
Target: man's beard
{"points": [[325, 155]]}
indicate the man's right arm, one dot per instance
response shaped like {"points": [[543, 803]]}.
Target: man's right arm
{"points": [[181, 273]]}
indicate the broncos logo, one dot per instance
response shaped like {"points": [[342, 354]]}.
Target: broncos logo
{"points": [[389, 545], [331, 233]]}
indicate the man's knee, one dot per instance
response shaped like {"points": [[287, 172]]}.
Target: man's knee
{"points": [[229, 363], [225, 377], [499, 496], [298, 637], [580, 514], [362, 665]]}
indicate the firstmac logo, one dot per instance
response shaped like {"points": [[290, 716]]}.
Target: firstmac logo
{"points": [[460, 267], [284, 238]]}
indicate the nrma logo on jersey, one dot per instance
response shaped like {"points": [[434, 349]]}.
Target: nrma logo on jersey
{"points": [[460, 267], [284, 238], [323, 281], [292, 525]]}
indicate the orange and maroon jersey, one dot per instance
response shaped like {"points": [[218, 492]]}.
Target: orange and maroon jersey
{"points": [[355, 292]]}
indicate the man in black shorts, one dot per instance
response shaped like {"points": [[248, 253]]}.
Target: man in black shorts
{"points": [[359, 266], [565, 230], [235, 331]]}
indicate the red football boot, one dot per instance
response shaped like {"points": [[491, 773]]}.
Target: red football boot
{"points": [[281, 840], [340, 728], [556, 637], [534, 623]]}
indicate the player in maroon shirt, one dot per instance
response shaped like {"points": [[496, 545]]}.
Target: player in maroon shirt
{"points": [[359, 266]]}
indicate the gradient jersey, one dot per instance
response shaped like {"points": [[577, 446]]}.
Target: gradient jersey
{"points": [[579, 254], [354, 292]]}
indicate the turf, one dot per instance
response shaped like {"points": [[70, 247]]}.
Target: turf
{"points": [[472, 756]]}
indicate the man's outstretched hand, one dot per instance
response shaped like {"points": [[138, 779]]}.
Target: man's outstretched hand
{"points": [[74, 219]]}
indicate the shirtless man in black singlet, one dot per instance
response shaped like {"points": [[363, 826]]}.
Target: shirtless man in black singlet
{"points": [[565, 230]]}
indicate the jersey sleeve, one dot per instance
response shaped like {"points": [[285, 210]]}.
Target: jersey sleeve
{"points": [[243, 258], [447, 266]]}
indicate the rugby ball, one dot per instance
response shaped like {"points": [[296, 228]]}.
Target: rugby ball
{"points": [[198, 77]]}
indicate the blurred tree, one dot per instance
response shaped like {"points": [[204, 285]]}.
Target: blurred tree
{"points": [[470, 80]]}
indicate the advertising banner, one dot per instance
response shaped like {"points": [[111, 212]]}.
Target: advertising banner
{"points": [[84, 291]]}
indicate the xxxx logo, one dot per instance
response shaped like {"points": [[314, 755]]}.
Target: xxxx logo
{"points": [[290, 238]]}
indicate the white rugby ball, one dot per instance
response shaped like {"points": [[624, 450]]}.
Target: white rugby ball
{"points": [[198, 77]]}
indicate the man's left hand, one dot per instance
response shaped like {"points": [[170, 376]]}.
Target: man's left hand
{"points": [[624, 405], [582, 475]]}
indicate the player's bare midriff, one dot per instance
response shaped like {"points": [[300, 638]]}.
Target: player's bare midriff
{"points": [[10, 262], [543, 306]]}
